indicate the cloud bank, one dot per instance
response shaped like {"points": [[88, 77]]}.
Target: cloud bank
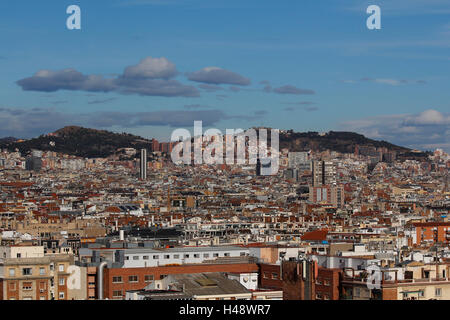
{"points": [[215, 75], [426, 130], [150, 77]]}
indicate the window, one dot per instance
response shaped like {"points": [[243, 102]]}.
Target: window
{"points": [[19, 255], [196, 255], [41, 298], [167, 256], [145, 257], [42, 271], [27, 286], [117, 279], [206, 255], [133, 279], [242, 254], [176, 256], [52, 267], [61, 268], [42, 285], [61, 281], [163, 276], [274, 275], [215, 255], [117, 294], [135, 257], [27, 271], [127, 258], [12, 286], [326, 282], [186, 256], [265, 275], [438, 292], [155, 257], [226, 254], [61, 295], [149, 277], [12, 272]]}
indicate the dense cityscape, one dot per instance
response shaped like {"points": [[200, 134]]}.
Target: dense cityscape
{"points": [[327, 226], [224, 158]]}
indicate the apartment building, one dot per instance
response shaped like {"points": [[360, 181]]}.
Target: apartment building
{"points": [[26, 273], [119, 270], [142, 258], [431, 232], [327, 194], [407, 281], [323, 172]]}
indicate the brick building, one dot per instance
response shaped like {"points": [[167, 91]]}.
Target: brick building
{"points": [[28, 274], [117, 281], [431, 232]]}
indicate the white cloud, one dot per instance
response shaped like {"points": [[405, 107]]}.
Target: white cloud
{"points": [[153, 68], [429, 117], [421, 130], [216, 75], [150, 77]]}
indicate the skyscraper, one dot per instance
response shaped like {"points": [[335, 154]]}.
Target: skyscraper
{"points": [[323, 173], [143, 165], [34, 161], [258, 167]]}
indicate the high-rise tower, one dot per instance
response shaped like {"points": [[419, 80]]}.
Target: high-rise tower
{"points": [[143, 165], [323, 173]]}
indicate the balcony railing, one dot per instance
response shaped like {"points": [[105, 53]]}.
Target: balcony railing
{"points": [[357, 278]]}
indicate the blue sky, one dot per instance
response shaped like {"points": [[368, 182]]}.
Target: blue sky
{"points": [[144, 66]]}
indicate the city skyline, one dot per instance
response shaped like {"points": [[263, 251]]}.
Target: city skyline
{"points": [[149, 67], [216, 156]]}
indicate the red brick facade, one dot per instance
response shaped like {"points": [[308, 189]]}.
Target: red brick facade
{"points": [[328, 284], [269, 276], [110, 287], [292, 282], [432, 231]]}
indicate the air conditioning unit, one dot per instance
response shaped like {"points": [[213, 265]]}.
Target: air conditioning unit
{"points": [[41, 290]]}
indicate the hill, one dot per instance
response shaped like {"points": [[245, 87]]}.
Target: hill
{"points": [[340, 141], [82, 142], [7, 140], [92, 143]]}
